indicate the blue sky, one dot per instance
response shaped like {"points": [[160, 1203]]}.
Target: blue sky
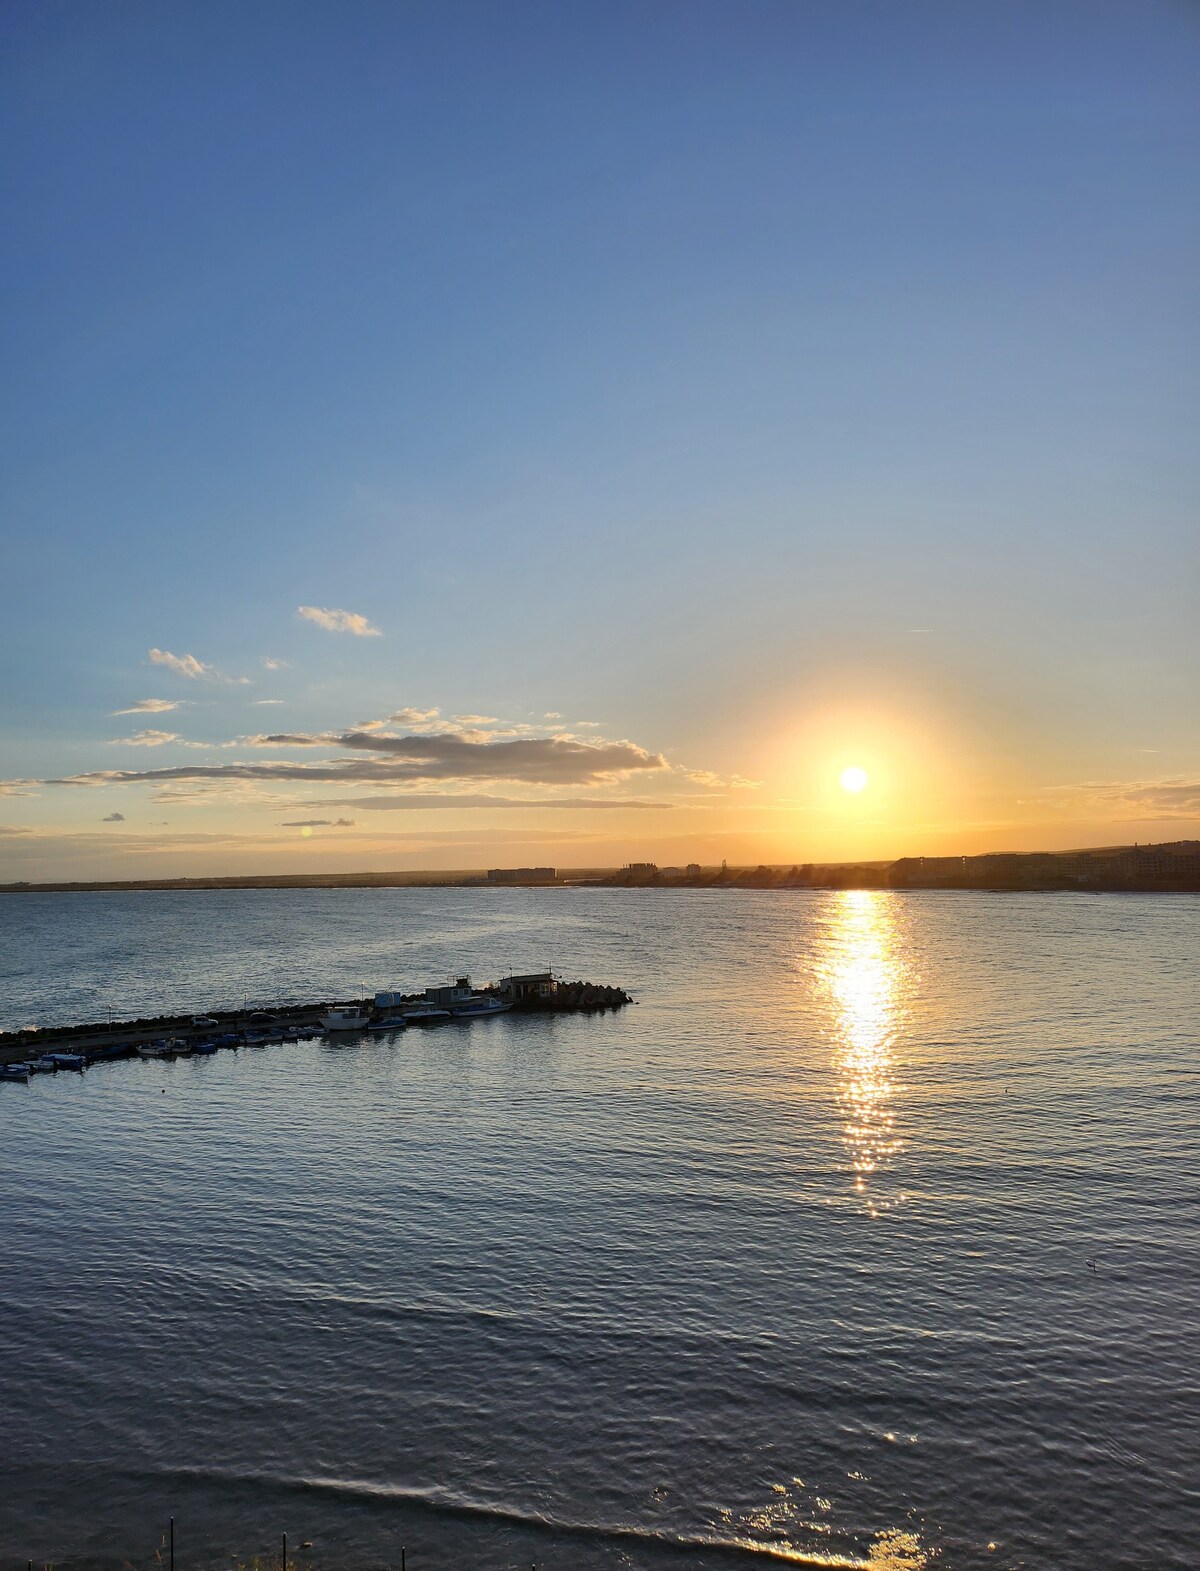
{"points": [[770, 386]]}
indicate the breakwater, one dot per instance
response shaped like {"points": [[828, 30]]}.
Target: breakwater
{"points": [[119, 1038]]}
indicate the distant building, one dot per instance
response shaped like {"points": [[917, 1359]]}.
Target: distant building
{"points": [[523, 989], [521, 875], [459, 992], [672, 872], [641, 868]]}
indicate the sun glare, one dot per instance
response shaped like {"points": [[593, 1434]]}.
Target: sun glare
{"points": [[854, 778]]}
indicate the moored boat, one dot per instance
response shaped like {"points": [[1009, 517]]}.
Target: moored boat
{"points": [[425, 1014], [351, 1018], [481, 1005], [14, 1071], [68, 1060], [42, 1066]]}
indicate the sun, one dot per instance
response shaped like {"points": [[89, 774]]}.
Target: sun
{"points": [[855, 779]]}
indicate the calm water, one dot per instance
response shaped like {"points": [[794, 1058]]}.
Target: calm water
{"points": [[790, 1259]]}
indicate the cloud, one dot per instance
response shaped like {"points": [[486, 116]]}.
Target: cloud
{"points": [[414, 719], [553, 761], [149, 738], [18, 787], [1135, 800], [318, 823], [150, 706], [336, 621], [261, 702], [706, 777], [271, 664], [193, 669], [182, 665], [474, 720], [424, 801], [114, 818]]}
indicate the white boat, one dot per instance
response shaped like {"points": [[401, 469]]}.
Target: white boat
{"points": [[352, 1018], [42, 1066], [481, 1005], [425, 1014], [155, 1050]]}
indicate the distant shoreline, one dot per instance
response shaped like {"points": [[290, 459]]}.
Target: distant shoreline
{"points": [[1164, 869]]}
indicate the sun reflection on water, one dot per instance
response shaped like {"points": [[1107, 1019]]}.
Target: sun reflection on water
{"points": [[864, 974]]}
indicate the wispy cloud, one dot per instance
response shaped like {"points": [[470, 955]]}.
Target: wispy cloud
{"points": [[149, 738], [415, 719], [193, 669], [182, 665], [1145, 800], [114, 818], [424, 801], [706, 777], [263, 702], [271, 664], [150, 706], [318, 823], [337, 621]]}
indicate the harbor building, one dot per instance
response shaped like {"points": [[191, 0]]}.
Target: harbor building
{"points": [[524, 989]]}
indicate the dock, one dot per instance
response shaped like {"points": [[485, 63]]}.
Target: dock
{"points": [[538, 994]]}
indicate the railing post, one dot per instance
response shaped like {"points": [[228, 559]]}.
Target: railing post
{"points": [[285, 1552], [172, 1544]]}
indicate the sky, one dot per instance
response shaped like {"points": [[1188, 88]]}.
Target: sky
{"points": [[454, 435]]}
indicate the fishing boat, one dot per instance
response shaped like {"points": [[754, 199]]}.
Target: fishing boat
{"points": [[155, 1050], [481, 1005], [203, 1049], [425, 1014], [389, 1023], [68, 1060], [351, 1018], [42, 1066], [14, 1071], [98, 1055]]}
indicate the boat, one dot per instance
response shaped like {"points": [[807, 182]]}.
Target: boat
{"points": [[203, 1049], [42, 1066], [482, 1004], [155, 1050], [352, 1018], [68, 1060], [99, 1055], [389, 1023], [425, 1014], [14, 1071]]}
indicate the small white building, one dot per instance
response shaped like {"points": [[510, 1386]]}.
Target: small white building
{"points": [[522, 989]]}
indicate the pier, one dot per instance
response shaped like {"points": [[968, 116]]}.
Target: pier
{"points": [[536, 994]]}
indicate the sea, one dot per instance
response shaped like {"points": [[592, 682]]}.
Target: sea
{"points": [[868, 1236]]}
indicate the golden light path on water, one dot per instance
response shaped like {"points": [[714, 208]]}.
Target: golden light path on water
{"points": [[865, 974]]}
